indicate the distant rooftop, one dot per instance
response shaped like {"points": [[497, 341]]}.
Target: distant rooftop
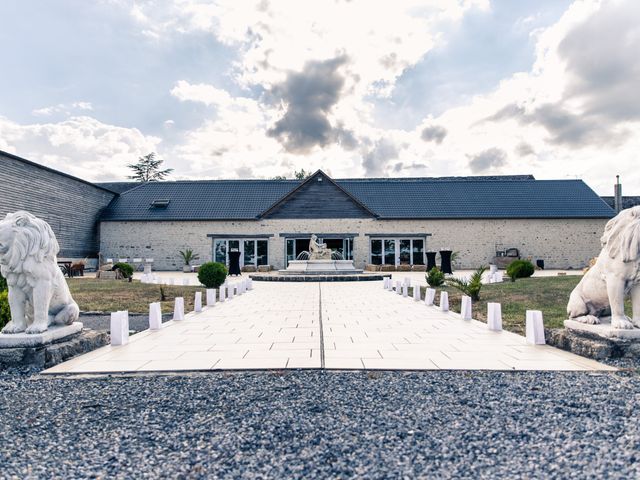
{"points": [[627, 202]]}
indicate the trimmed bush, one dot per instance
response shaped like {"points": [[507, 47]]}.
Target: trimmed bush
{"points": [[3, 284], [5, 312], [435, 277], [520, 269], [125, 269], [212, 274]]}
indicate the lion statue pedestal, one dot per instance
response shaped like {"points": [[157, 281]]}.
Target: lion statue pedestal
{"points": [[597, 320]]}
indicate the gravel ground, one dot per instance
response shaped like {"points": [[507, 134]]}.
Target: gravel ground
{"points": [[321, 424]]}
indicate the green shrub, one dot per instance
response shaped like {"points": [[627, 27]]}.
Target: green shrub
{"points": [[125, 269], [520, 269], [469, 287], [3, 284], [435, 277], [5, 312], [212, 274]]}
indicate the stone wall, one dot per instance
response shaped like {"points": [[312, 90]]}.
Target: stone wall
{"points": [[562, 243]]}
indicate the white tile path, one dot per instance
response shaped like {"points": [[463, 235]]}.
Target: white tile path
{"points": [[332, 325]]}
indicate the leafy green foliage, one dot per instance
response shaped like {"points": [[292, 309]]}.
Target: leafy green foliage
{"points": [[188, 256], [3, 284], [148, 169], [469, 287], [435, 277], [5, 312], [520, 269], [125, 269], [212, 274]]}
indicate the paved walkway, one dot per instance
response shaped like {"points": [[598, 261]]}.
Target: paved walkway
{"points": [[324, 325]]}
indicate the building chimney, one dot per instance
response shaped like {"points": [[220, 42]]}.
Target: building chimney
{"points": [[617, 199]]}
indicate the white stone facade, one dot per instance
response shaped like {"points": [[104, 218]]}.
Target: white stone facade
{"points": [[561, 243]]}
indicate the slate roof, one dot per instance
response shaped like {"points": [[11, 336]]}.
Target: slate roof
{"points": [[118, 187], [409, 198], [627, 202]]}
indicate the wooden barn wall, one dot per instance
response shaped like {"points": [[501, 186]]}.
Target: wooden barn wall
{"points": [[70, 206], [318, 200]]}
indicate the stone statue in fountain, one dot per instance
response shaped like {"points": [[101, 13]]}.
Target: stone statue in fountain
{"points": [[318, 251]]}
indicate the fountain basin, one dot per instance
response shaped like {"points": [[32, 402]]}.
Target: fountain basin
{"points": [[320, 267]]}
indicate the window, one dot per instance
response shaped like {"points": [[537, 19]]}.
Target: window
{"points": [[417, 252], [397, 251], [252, 251], [390, 252], [376, 252], [249, 252], [262, 249]]}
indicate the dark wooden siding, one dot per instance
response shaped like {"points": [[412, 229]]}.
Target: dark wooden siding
{"points": [[318, 200], [69, 205]]}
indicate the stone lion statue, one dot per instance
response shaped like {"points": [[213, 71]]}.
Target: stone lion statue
{"points": [[615, 274], [38, 293]]}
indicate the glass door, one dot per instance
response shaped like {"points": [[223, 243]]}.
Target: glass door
{"points": [[389, 251], [404, 253]]}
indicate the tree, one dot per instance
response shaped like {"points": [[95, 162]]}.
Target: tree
{"points": [[148, 169], [298, 175], [301, 174]]}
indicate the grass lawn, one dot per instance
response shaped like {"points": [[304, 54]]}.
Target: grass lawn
{"points": [[548, 294], [113, 295]]}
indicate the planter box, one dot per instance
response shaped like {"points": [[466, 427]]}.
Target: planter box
{"points": [[404, 268], [387, 268], [248, 268], [264, 268], [419, 268]]}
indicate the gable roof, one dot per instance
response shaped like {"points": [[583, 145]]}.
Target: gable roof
{"points": [[306, 189], [398, 198]]}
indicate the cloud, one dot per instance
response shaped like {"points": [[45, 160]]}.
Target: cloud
{"points": [[309, 96], [376, 159], [433, 133], [487, 159], [64, 108], [81, 146], [523, 149]]}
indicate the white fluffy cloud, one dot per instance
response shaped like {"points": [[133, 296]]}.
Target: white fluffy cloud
{"points": [[308, 77], [81, 146]]}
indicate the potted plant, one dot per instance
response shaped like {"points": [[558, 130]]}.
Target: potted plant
{"points": [[188, 256]]}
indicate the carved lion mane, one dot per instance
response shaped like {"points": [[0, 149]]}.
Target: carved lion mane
{"points": [[38, 293], [616, 274]]}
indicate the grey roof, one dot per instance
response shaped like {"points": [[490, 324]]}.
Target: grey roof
{"points": [[414, 198], [118, 187], [627, 202]]}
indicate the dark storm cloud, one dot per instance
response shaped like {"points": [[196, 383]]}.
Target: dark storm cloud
{"points": [[523, 149], [434, 133], [375, 160], [492, 157], [563, 126], [600, 55], [309, 96]]}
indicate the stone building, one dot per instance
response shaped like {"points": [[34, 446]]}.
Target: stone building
{"points": [[389, 221], [384, 221]]}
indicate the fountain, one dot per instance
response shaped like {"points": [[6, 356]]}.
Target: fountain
{"points": [[320, 260]]}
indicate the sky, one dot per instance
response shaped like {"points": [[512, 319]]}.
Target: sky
{"points": [[357, 88]]}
